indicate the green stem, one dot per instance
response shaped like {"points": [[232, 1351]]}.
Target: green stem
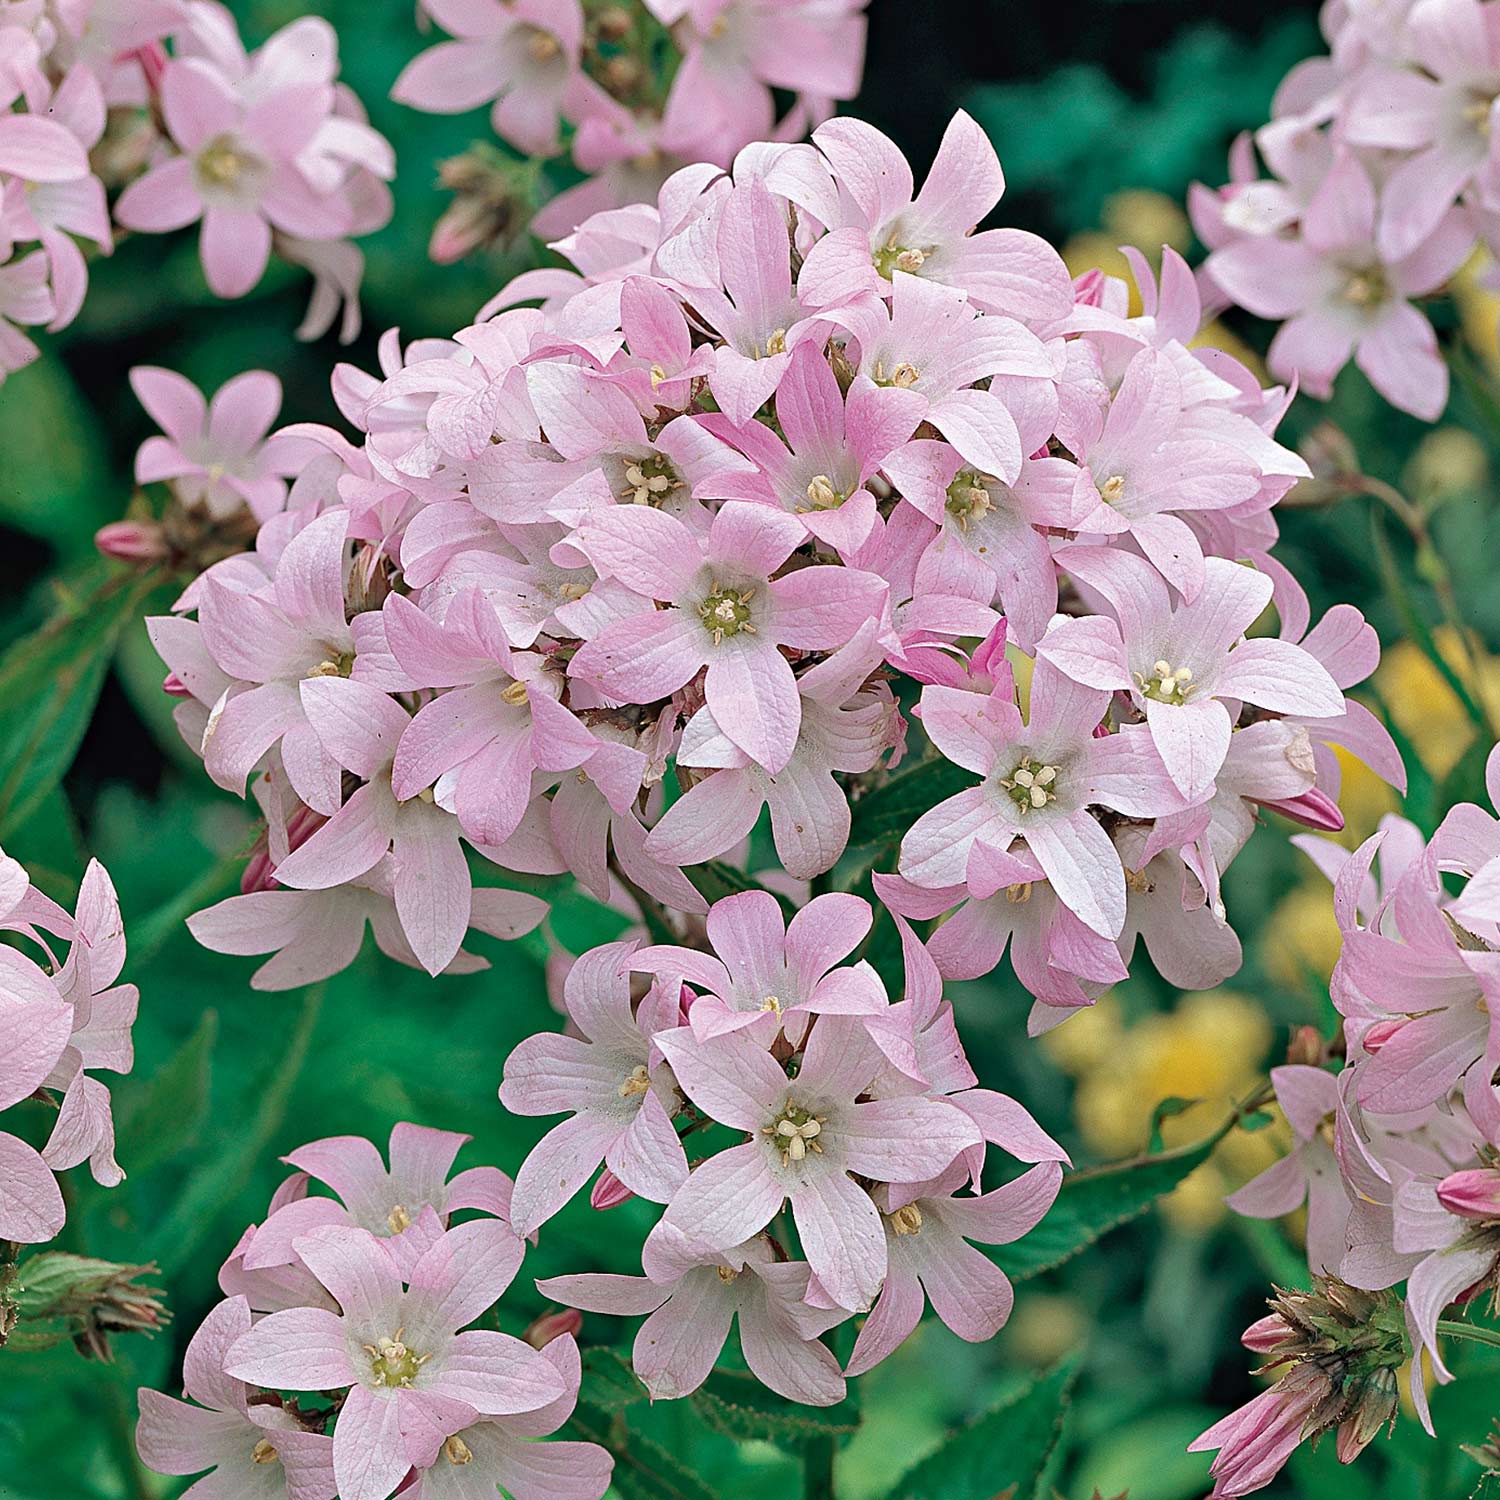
{"points": [[817, 1467], [1471, 1331]]}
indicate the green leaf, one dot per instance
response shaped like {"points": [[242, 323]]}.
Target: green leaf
{"points": [[738, 1405], [715, 880], [1168, 1109], [891, 809], [1098, 1199], [49, 683], [608, 1381], [166, 1115], [198, 1207], [1003, 1452], [644, 1470]]}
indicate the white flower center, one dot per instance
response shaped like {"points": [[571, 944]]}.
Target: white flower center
{"points": [[1165, 683], [1031, 785], [794, 1132], [392, 1363]]}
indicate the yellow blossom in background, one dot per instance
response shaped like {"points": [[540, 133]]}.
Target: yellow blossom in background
{"points": [[1423, 705], [1210, 1049], [1479, 308], [1303, 935], [1448, 462], [1364, 799], [1044, 1326]]}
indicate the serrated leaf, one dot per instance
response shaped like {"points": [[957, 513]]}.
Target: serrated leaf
{"points": [[49, 682], [1097, 1200], [738, 1405], [1006, 1450], [887, 812], [608, 1381], [165, 1115]]}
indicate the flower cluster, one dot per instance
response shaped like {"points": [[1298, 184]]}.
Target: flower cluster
{"points": [[1395, 1154], [778, 451], [855, 1125], [161, 99], [360, 1305], [61, 1020], [591, 72], [1384, 178]]}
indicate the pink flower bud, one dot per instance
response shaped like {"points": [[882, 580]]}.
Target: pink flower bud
{"points": [[1474, 1194], [153, 61], [174, 687], [132, 541], [554, 1325], [1313, 808], [1265, 1334], [1380, 1033], [609, 1192], [1088, 289]]}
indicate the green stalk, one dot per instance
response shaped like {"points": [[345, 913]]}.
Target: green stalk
{"points": [[817, 1467]]}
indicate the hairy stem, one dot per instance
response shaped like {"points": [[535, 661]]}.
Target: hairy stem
{"points": [[1470, 1331]]}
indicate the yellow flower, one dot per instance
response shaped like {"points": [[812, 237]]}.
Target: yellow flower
{"points": [[1208, 1049], [1425, 707], [1478, 308], [1303, 935]]}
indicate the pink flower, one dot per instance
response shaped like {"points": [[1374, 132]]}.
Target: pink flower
{"points": [[1150, 467], [500, 721], [314, 934], [724, 612], [522, 55], [406, 1207], [611, 1083], [691, 1305], [253, 1449], [215, 455], [806, 1136], [35, 1027], [764, 970], [927, 1231], [1180, 664], [846, 725], [241, 172], [1255, 1442], [878, 226], [1309, 1099], [1342, 298], [833, 445], [409, 1372], [502, 1451], [360, 728], [1435, 111], [25, 299], [1038, 781]]}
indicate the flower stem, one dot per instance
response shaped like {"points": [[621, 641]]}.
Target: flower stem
{"points": [[817, 1467], [1471, 1331]]}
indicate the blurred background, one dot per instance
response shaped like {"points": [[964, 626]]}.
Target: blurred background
{"points": [[1103, 112]]}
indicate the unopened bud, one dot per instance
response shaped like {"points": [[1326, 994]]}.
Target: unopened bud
{"points": [[609, 1192], [1265, 1334], [615, 23], [1313, 809], [133, 541], [174, 687], [1472, 1194], [1305, 1047], [1381, 1032], [493, 201], [554, 1325], [59, 1296]]}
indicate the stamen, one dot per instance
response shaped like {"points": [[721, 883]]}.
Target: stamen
{"points": [[458, 1451], [398, 1220], [907, 1220], [513, 693], [822, 495], [637, 1081], [1112, 488], [1031, 785], [263, 1453]]}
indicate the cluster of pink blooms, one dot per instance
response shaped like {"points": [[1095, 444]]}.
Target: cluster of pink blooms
{"points": [[1385, 175], [1396, 1153], [588, 75], [343, 1359], [779, 450], [860, 1129], [161, 99], [62, 1019]]}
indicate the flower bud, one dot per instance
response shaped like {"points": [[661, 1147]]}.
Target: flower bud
{"points": [[609, 1192], [493, 201], [1313, 809], [1265, 1334], [1472, 1194], [59, 1296], [1306, 1047], [132, 541], [554, 1325], [1381, 1032]]}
